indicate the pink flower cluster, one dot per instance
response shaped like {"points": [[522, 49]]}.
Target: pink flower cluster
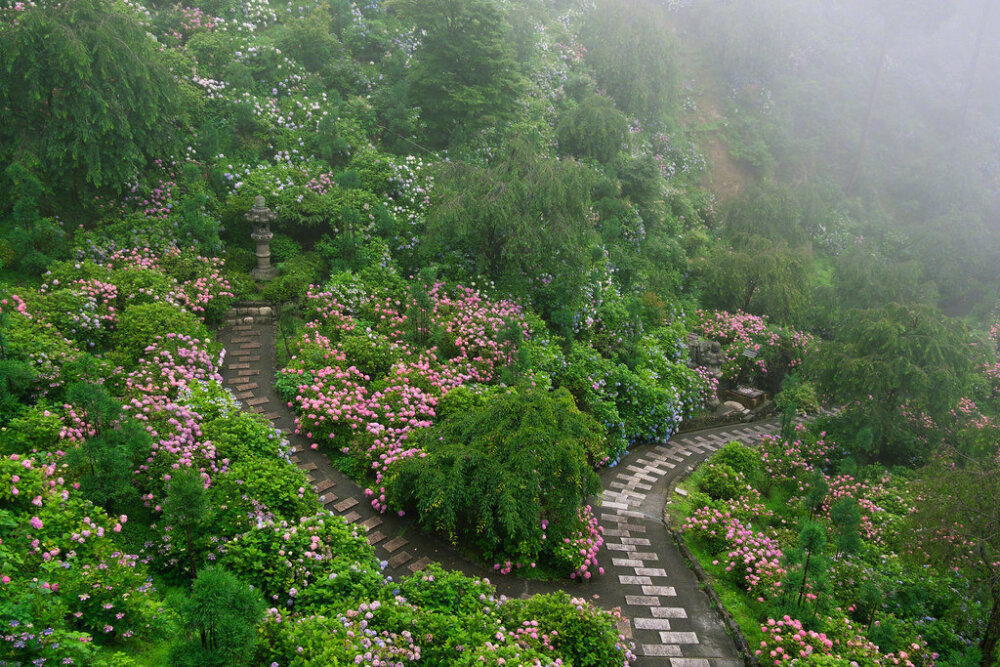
{"points": [[845, 486], [741, 332], [752, 558], [786, 461], [340, 406], [581, 548], [787, 642], [170, 364]]}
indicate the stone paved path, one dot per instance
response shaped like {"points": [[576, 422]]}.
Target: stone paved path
{"points": [[668, 617]]}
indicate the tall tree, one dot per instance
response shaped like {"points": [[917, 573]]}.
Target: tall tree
{"points": [[896, 16], [463, 76], [86, 100], [521, 218], [627, 44], [958, 507], [222, 615], [897, 370], [977, 51]]}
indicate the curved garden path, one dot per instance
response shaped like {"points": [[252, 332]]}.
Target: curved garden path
{"points": [[666, 613]]}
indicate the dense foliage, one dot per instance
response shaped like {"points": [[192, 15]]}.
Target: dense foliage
{"points": [[499, 225]]}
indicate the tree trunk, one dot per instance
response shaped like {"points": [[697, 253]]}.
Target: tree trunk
{"points": [[970, 77], [992, 636], [872, 98], [805, 571], [190, 550]]}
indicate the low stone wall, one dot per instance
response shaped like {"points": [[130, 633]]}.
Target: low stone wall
{"points": [[764, 411], [249, 312]]}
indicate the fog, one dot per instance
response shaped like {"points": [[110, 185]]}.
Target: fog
{"points": [[894, 105]]}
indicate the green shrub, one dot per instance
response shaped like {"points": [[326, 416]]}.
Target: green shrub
{"points": [[594, 130], [281, 487], [371, 353], [742, 459], [492, 476], [583, 635], [36, 428], [722, 482], [274, 555], [140, 324], [284, 248], [241, 435], [136, 285]]}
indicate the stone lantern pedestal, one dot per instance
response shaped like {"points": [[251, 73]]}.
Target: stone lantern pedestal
{"points": [[260, 216]]}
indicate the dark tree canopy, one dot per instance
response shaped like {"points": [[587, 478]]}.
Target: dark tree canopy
{"points": [[463, 74], [628, 47], [890, 367], [86, 100], [522, 218]]}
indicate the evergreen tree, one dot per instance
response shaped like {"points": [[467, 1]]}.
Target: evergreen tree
{"points": [[463, 76], [105, 462], [222, 614], [87, 100]]}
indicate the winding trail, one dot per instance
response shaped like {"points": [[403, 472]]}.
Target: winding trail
{"points": [[668, 616]]}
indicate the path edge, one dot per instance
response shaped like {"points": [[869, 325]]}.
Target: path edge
{"points": [[735, 632]]}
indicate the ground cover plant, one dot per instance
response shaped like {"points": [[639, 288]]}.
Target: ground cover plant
{"points": [[817, 558], [496, 225], [128, 473], [408, 393]]}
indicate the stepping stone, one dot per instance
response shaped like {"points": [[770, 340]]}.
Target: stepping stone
{"points": [[351, 517], [370, 523], [660, 650], [399, 559], [259, 401], [395, 543], [248, 373], [693, 662], [311, 478], [244, 395], [679, 638], [375, 538], [642, 601], [322, 485], [308, 467], [271, 416], [242, 339], [246, 387], [242, 327], [345, 504], [328, 499], [296, 459], [253, 358], [659, 590], [235, 367], [419, 565], [250, 346], [650, 571], [669, 612], [652, 624], [634, 580]]}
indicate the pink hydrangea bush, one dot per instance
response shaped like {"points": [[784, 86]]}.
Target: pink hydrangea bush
{"points": [[787, 642], [348, 411], [774, 350]]}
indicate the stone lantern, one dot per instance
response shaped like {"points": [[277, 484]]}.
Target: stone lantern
{"points": [[260, 216]]}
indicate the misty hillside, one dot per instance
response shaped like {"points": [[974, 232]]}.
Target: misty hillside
{"points": [[388, 332]]}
